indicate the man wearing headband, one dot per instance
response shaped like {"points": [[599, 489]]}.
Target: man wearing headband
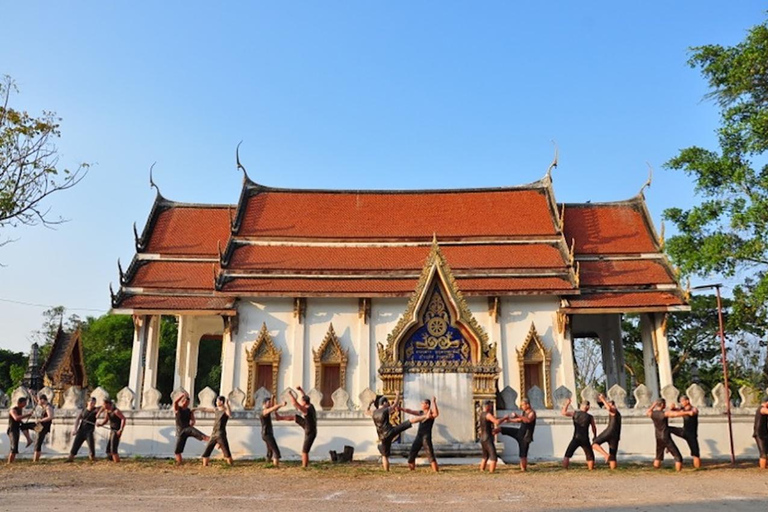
{"points": [[761, 432], [185, 425], [611, 434], [426, 420], [45, 425], [522, 434], [386, 432], [690, 430], [85, 424], [16, 427], [116, 420], [582, 421]]}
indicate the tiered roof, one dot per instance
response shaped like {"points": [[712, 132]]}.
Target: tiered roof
{"points": [[275, 242]]}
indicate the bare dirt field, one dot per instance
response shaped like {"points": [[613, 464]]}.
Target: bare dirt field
{"points": [[144, 485]]}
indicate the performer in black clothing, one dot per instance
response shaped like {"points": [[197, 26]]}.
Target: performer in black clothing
{"points": [[83, 432], [488, 423], [582, 421], [219, 434], [44, 425], [308, 422], [426, 420], [16, 427], [267, 432], [761, 432], [185, 425], [690, 429], [664, 441], [116, 420], [611, 434], [522, 434], [386, 432]]}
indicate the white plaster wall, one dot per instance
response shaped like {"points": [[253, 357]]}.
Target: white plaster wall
{"points": [[385, 313], [152, 434]]}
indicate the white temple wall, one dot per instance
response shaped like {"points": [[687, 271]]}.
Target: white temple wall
{"points": [[385, 313]]}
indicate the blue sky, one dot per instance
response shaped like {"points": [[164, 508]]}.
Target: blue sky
{"points": [[342, 95]]}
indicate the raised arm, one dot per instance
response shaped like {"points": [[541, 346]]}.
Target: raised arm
{"points": [[564, 411], [16, 417], [177, 400], [435, 412], [651, 408], [764, 410], [296, 404], [493, 419], [396, 404], [274, 408]]}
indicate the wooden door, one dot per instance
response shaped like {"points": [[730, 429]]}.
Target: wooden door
{"points": [[330, 382], [264, 377], [533, 376]]}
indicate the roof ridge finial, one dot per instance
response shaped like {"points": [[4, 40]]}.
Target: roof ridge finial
{"points": [[647, 184], [152, 183], [239, 165], [554, 161]]}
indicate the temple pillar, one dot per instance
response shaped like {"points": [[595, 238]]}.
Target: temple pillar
{"points": [[136, 375], [648, 333], [181, 352], [564, 341], [152, 352], [662, 344], [609, 334], [190, 363], [364, 349], [229, 356], [298, 351], [495, 338]]}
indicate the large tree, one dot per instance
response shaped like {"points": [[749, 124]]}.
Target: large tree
{"points": [[727, 233], [29, 164]]}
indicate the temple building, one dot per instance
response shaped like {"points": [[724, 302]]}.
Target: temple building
{"points": [[65, 365], [456, 293]]}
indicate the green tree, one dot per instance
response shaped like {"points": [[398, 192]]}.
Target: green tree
{"points": [[29, 164], [727, 234], [9, 374]]}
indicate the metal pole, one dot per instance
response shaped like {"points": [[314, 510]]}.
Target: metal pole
{"points": [[725, 373]]}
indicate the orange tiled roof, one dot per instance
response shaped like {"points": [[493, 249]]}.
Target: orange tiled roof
{"points": [[182, 275], [176, 302], [636, 272], [618, 228], [188, 230], [626, 300]]}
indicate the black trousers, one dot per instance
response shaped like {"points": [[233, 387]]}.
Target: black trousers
{"points": [[667, 444], [41, 436], [584, 444], [183, 434], [613, 443], [419, 443], [83, 436], [223, 443], [691, 439], [385, 444], [273, 451], [518, 435]]}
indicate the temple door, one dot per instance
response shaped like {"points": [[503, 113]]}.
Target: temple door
{"points": [[331, 381], [264, 376]]}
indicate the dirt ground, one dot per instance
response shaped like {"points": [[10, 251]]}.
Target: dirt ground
{"points": [[144, 485]]}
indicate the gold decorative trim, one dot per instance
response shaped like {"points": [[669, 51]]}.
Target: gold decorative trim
{"points": [[563, 319], [534, 351], [330, 352], [263, 351]]}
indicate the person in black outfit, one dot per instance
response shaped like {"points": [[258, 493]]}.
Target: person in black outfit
{"points": [[45, 425], [185, 425], [116, 420], [308, 422], [267, 432], [16, 427], [690, 429], [426, 420], [83, 432], [219, 434], [386, 432], [488, 423], [522, 434], [582, 421], [611, 434], [761, 432], [664, 441]]}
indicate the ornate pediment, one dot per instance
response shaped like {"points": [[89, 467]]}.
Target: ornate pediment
{"points": [[263, 350], [330, 350], [437, 329], [533, 349]]}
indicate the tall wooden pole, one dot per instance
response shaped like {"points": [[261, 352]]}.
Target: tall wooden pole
{"points": [[725, 372]]}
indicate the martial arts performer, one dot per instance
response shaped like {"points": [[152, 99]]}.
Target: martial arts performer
{"points": [[219, 434], [85, 424], [582, 421], [16, 427], [267, 433], [116, 420], [45, 422], [426, 420], [308, 422], [522, 434], [690, 429], [611, 434], [761, 432], [185, 425], [386, 432], [488, 422], [664, 441]]}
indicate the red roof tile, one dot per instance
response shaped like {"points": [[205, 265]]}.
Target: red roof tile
{"points": [[626, 300], [608, 229], [623, 273], [399, 287], [475, 256], [174, 275], [392, 215], [157, 302], [189, 231]]}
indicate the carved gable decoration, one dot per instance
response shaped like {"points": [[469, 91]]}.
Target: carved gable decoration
{"points": [[534, 352], [262, 352], [65, 365]]}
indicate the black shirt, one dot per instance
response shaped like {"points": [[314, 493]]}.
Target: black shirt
{"points": [[310, 425], [661, 424], [114, 420], [183, 418], [14, 425], [220, 424], [581, 422], [425, 428], [614, 425], [88, 420], [690, 423], [526, 429], [761, 424], [381, 420], [266, 425], [486, 427]]}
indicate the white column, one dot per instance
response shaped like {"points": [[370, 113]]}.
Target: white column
{"points": [[190, 364], [564, 342], [494, 337], [363, 354], [298, 355], [136, 377], [229, 356], [181, 351], [648, 333], [662, 345], [153, 347], [609, 361]]}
